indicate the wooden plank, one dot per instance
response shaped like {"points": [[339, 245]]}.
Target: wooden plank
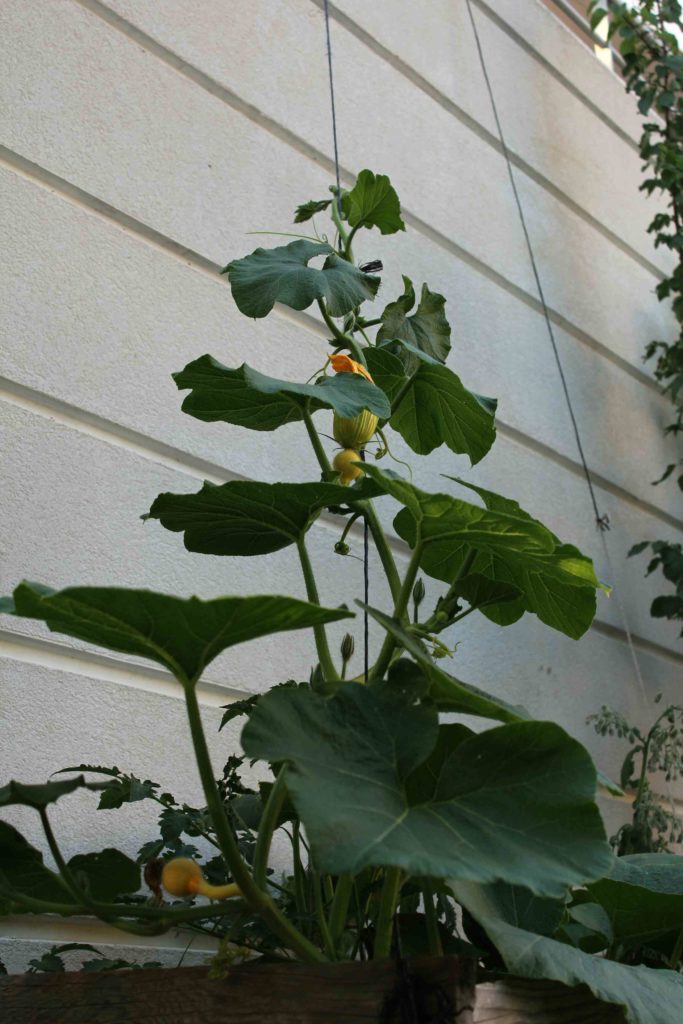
{"points": [[346, 993], [518, 1001]]}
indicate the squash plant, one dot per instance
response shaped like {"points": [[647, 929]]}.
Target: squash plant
{"points": [[392, 810]]}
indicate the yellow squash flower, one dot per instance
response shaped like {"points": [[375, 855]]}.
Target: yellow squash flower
{"points": [[352, 432]]}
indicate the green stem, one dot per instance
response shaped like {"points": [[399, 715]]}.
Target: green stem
{"points": [[135, 928], [433, 935], [321, 645], [267, 826], [64, 869], [390, 643], [258, 900], [432, 625], [677, 952], [642, 783], [320, 914], [345, 340], [170, 918], [402, 393], [393, 880], [383, 549], [368, 510], [299, 874], [320, 454], [349, 524], [335, 212], [352, 234], [340, 907]]}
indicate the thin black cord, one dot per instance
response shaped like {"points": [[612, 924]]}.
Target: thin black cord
{"points": [[601, 520], [366, 542], [366, 589], [334, 111]]}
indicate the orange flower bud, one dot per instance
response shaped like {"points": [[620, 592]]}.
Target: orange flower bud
{"points": [[345, 364]]}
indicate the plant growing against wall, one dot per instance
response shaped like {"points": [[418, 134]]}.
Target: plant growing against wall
{"points": [[387, 806], [649, 34], [659, 750]]}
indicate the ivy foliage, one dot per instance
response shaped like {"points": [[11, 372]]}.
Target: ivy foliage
{"points": [[649, 34], [657, 753]]}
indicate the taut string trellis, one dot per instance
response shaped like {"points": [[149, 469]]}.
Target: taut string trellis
{"points": [[337, 201], [602, 520]]}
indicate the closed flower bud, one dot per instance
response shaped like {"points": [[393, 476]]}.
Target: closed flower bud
{"points": [[356, 431], [347, 647], [419, 592]]}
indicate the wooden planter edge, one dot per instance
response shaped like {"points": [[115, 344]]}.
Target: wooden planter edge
{"points": [[441, 989]]}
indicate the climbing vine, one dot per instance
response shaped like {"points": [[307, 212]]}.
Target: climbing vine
{"points": [[648, 34]]}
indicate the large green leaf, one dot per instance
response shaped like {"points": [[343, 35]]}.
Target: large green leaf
{"points": [[282, 274], [643, 896], [449, 693], [249, 399], [22, 870], [521, 907], [658, 872], [244, 517], [427, 329], [38, 796], [647, 995], [373, 203], [107, 874], [431, 406], [555, 581], [560, 588], [182, 634], [448, 525], [514, 803]]}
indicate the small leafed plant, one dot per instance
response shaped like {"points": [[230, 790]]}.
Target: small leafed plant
{"points": [[395, 815], [649, 34], [658, 752]]}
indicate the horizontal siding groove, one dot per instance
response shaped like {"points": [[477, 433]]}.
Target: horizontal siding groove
{"points": [[52, 929], [304, 148], [162, 453], [86, 200], [488, 137], [61, 657], [66, 190], [641, 643], [206, 82], [18, 163], [142, 444], [523, 43]]}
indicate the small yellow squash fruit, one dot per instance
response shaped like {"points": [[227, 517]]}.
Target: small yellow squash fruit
{"points": [[183, 877], [343, 463]]}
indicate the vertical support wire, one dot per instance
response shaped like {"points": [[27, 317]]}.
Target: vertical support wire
{"points": [[337, 200], [602, 521]]}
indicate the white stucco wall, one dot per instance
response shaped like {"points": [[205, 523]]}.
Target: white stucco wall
{"points": [[140, 142]]}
